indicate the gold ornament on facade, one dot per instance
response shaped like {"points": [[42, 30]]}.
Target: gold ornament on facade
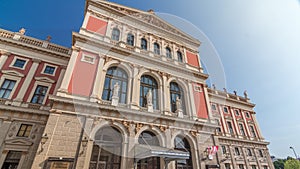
{"points": [[138, 127], [193, 133]]}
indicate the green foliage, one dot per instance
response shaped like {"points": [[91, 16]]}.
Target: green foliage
{"points": [[279, 164], [292, 164]]}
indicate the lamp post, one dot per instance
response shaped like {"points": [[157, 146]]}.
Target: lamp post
{"points": [[294, 152]]}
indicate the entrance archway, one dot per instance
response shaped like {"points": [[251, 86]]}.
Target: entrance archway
{"points": [[182, 144], [150, 139], [107, 149]]}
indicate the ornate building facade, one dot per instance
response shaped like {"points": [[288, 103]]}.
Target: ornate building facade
{"points": [[131, 93]]}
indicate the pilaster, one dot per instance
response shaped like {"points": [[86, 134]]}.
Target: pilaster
{"points": [[99, 80], [234, 122], [3, 58], [69, 72], [27, 82]]}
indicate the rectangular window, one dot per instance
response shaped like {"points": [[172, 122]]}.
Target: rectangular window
{"points": [[241, 166], [230, 127], [247, 115], [39, 94], [237, 113], [261, 153], [12, 159], [225, 110], [7, 88], [19, 63], [253, 166], [49, 70], [223, 149], [249, 152], [252, 130], [24, 130], [265, 167], [213, 107], [242, 129], [237, 151], [227, 166]]}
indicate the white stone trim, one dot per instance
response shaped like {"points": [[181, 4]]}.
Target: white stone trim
{"points": [[88, 58], [21, 58], [44, 68]]}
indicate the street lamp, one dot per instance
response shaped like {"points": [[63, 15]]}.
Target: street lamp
{"points": [[294, 152]]}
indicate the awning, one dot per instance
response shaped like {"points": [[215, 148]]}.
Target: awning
{"points": [[146, 151]]}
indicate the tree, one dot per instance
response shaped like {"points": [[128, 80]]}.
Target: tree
{"points": [[279, 164], [292, 164]]}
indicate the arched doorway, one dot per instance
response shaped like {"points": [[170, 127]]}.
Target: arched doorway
{"points": [[182, 144], [148, 138], [107, 149]]}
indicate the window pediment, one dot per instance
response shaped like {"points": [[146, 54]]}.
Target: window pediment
{"points": [[44, 79], [13, 73]]}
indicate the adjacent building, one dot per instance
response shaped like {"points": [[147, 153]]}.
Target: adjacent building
{"points": [[130, 93]]}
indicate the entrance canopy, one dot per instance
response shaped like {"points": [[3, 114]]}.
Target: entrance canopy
{"points": [[143, 151]]}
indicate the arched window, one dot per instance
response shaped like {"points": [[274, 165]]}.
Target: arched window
{"points": [[156, 48], [183, 145], [149, 139], [144, 45], [179, 56], [147, 83], [130, 39], [107, 149], [176, 91], [115, 34], [115, 75], [168, 52]]}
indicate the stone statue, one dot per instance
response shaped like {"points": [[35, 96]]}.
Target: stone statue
{"points": [[116, 90], [22, 31], [225, 90], [149, 97], [235, 92], [214, 86], [178, 103], [246, 94]]}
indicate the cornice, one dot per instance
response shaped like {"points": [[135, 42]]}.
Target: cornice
{"points": [[138, 56], [34, 48], [225, 98], [90, 107], [243, 140]]}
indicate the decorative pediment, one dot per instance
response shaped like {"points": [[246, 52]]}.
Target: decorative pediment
{"points": [[18, 141], [12, 73], [44, 79], [147, 17]]}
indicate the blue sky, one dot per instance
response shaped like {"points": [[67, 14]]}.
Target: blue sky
{"points": [[257, 42]]}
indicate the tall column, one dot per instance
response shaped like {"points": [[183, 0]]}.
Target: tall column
{"points": [[99, 79], [232, 156], [3, 58], [68, 75], [245, 157], [166, 94], [223, 119], [193, 113], [60, 78], [246, 124], [207, 102], [27, 82], [234, 122], [256, 157], [136, 88]]}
